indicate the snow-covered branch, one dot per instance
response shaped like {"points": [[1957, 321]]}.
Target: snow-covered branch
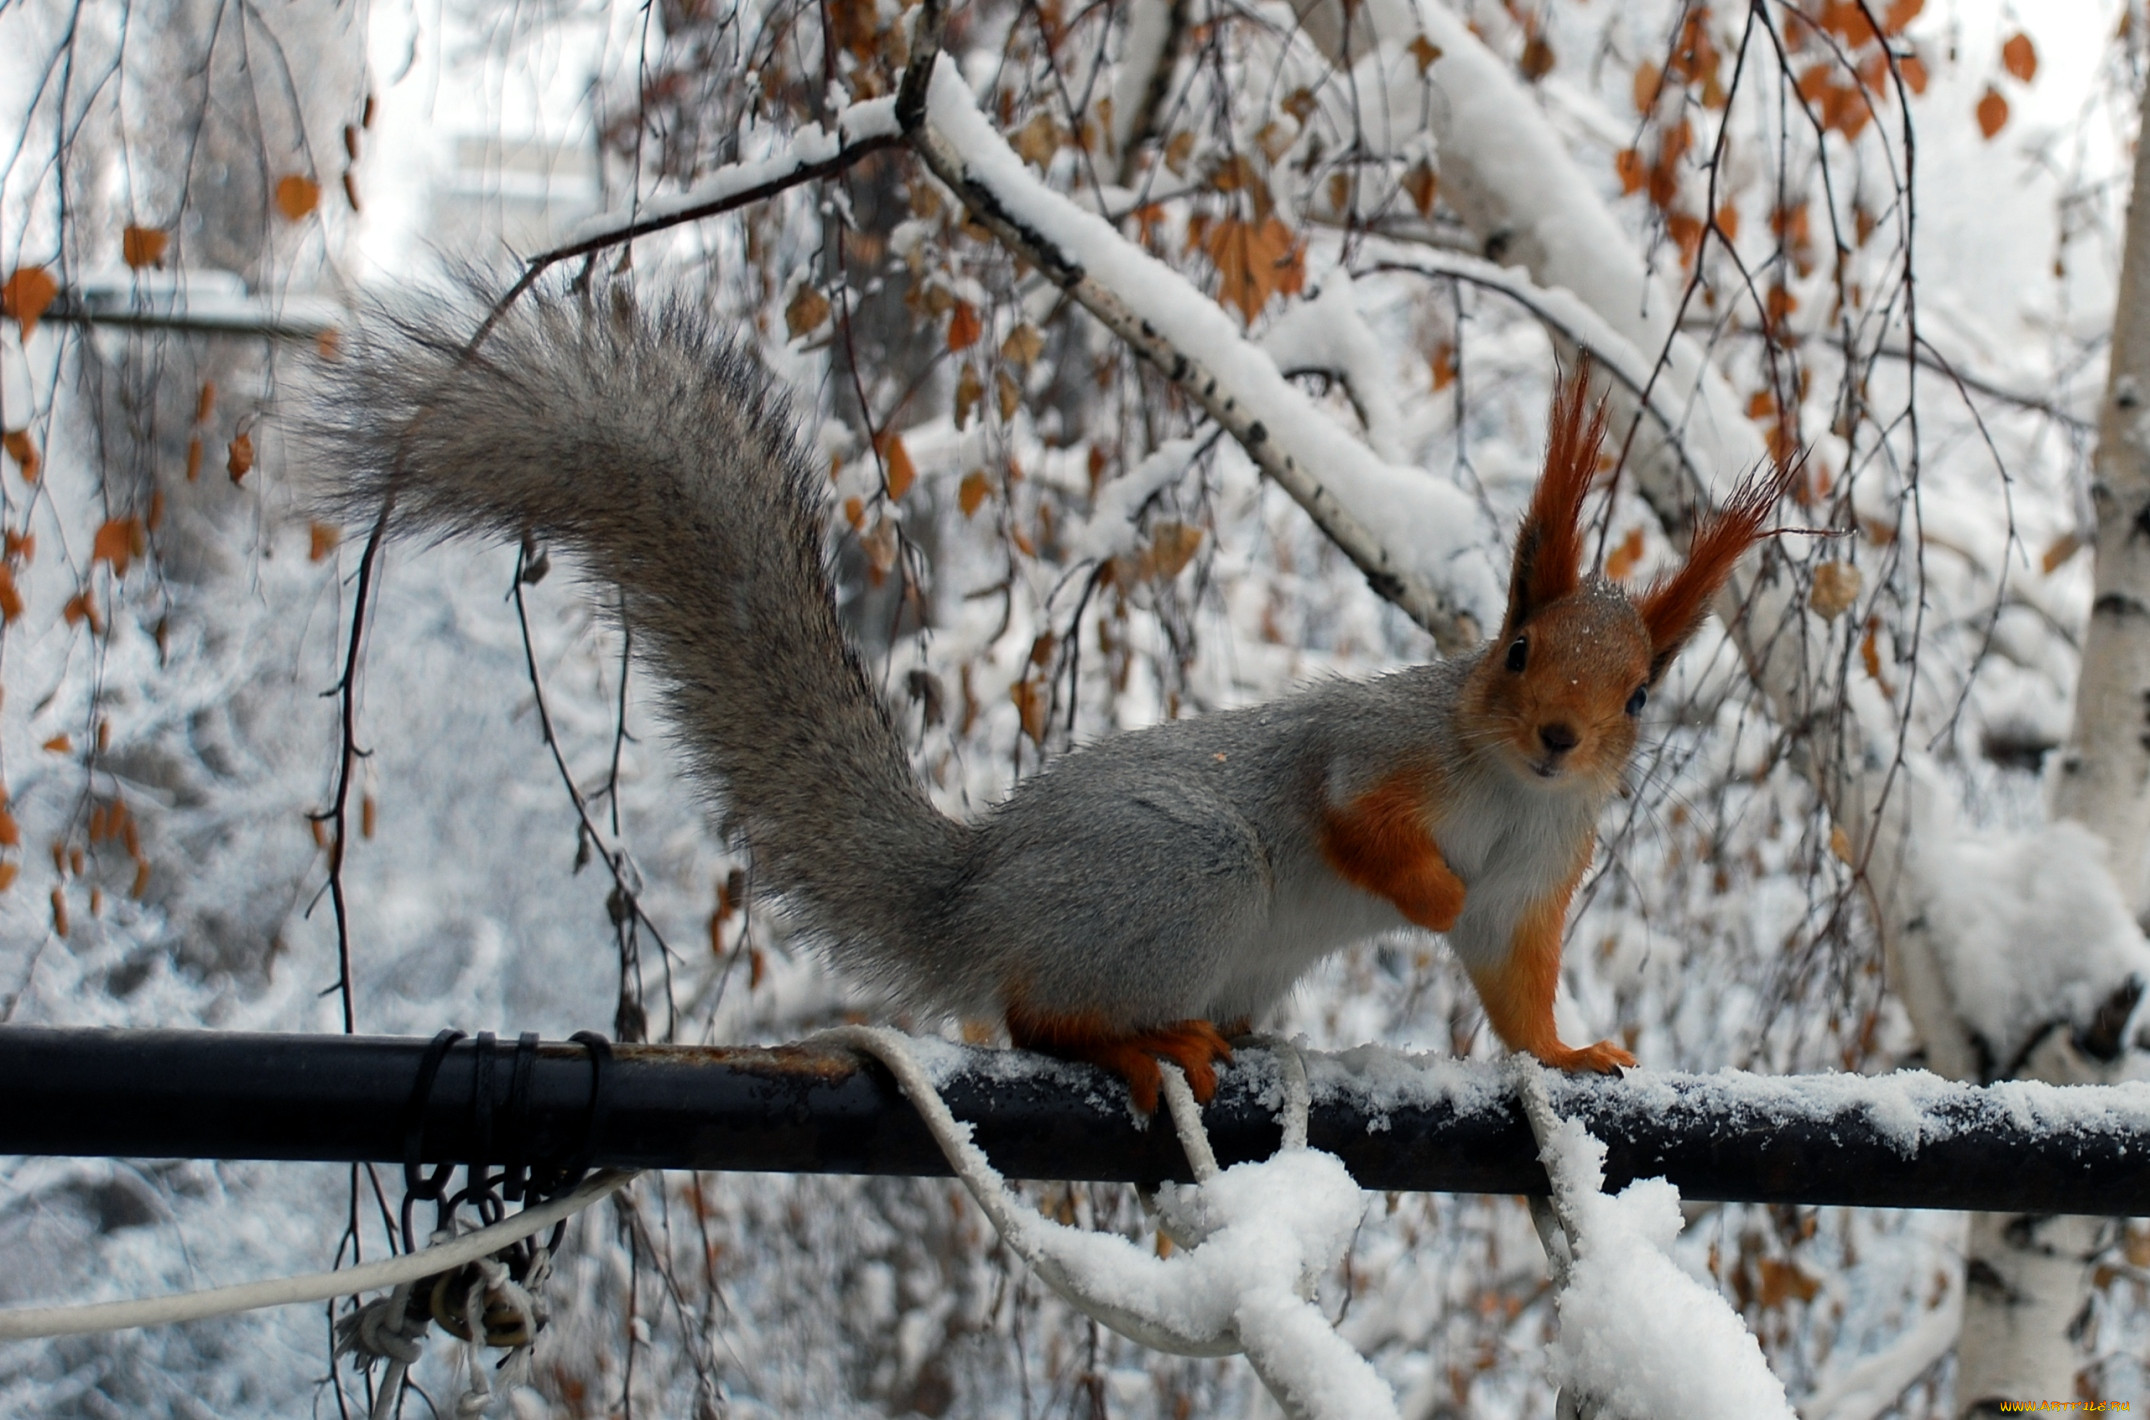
{"points": [[810, 153], [1338, 480]]}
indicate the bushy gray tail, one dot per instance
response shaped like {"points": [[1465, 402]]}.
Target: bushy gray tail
{"points": [[655, 448]]}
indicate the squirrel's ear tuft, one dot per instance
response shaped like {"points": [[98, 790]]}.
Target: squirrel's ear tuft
{"points": [[1673, 608], [1549, 549]]}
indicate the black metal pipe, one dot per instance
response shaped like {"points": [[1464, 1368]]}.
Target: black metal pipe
{"points": [[1397, 1123]]}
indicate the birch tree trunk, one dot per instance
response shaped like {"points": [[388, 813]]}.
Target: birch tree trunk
{"points": [[2027, 1276], [2105, 778]]}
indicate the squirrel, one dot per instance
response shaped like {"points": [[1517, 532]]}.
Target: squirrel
{"points": [[1145, 897]]}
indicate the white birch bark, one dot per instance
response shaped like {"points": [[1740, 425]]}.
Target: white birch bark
{"points": [[2105, 778]]}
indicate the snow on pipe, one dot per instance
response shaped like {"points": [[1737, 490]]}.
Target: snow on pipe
{"points": [[1909, 1140]]}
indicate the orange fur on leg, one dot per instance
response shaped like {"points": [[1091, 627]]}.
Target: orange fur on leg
{"points": [[1194, 1046], [1380, 843], [1518, 995]]}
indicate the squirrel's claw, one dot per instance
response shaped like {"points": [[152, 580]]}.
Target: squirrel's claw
{"points": [[1194, 1045], [1604, 1058]]}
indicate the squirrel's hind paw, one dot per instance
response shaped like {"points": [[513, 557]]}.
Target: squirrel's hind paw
{"points": [[1195, 1046], [1604, 1058]]}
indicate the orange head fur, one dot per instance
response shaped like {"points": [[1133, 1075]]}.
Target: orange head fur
{"points": [[1559, 692]]}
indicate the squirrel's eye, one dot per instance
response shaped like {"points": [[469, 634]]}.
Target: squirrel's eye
{"points": [[1518, 652], [1640, 698]]}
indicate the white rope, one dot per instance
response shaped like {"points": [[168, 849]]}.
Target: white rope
{"points": [[1187, 1119], [1286, 1338], [1553, 1215], [1298, 1093], [1021, 1229], [1550, 1214], [34, 1323]]}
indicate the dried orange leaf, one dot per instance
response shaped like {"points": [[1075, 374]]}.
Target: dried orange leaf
{"points": [[971, 494], [1685, 229], [1901, 13], [19, 448], [1870, 654], [1537, 60], [2020, 57], [1629, 165], [27, 294], [1178, 149], [969, 391], [10, 598], [1648, 79], [1031, 704], [117, 542], [964, 326], [1992, 112], [321, 541], [1421, 183], [1622, 559], [143, 246], [901, 472], [1037, 140], [239, 459], [1023, 346], [1836, 588], [1444, 367], [1172, 547], [59, 912], [1425, 51], [10, 834], [7, 875], [60, 744], [1007, 394], [194, 460], [296, 196], [805, 312], [1839, 843], [1256, 261], [366, 813], [881, 545], [2064, 547]]}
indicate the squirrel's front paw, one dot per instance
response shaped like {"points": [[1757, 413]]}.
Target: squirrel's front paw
{"points": [[1604, 1058]]}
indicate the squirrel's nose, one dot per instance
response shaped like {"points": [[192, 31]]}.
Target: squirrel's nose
{"points": [[1557, 738]]}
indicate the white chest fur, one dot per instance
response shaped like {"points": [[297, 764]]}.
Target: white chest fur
{"points": [[1513, 842]]}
